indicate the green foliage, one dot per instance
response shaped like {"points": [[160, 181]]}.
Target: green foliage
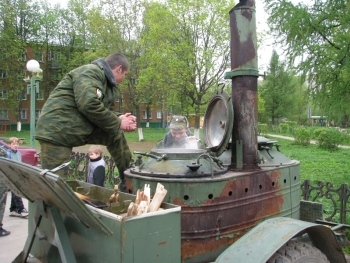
{"points": [[186, 47], [329, 139], [315, 39], [284, 127], [302, 136], [316, 132], [318, 163], [278, 91], [263, 128]]}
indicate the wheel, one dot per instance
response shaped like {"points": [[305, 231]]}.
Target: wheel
{"points": [[298, 252]]}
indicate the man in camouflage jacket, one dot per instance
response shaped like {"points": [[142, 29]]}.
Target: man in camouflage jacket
{"points": [[77, 112]]}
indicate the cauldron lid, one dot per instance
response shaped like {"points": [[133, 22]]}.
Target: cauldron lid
{"points": [[218, 122], [178, 151]]}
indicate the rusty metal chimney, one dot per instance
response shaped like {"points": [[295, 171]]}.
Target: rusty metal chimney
{"points": [[244, 74]]}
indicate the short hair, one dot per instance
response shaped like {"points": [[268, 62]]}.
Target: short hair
{"points": [[95, 149], [115, 60], [13, 139]]}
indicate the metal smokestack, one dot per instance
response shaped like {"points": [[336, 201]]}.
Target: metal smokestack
{"points": [[244, 74]]}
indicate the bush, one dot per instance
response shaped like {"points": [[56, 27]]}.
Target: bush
{"points": [[283, 127], [263, 128], [302, 136], [329, 139], [317, 132]]}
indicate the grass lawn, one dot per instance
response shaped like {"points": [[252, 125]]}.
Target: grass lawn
{"points": [[319, 164], [316, 164]]}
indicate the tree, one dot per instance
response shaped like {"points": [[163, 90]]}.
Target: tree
{"points": [[186, 51], [278, 90], [17, 26], [316, 39]]}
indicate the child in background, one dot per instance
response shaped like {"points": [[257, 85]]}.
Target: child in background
{"points": [[17, 207], [96, 168]]}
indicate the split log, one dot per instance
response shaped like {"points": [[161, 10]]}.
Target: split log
{"points": [[158, 198]]}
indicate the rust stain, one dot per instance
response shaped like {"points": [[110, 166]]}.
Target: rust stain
{"points": [[219, 222], [178, 201], [162, 243], [190, 249]]}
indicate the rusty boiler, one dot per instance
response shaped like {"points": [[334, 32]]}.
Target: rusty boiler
{"points": [[239, 179]]}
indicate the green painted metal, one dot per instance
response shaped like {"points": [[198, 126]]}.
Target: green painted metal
{"points": [[62, 228], [266, 238], [32, 89], [241, 72]]}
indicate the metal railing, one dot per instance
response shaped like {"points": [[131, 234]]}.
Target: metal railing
{"points": [[335, 199]]}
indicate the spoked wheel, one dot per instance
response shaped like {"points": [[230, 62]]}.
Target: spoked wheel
{"points": [[298, 252]]}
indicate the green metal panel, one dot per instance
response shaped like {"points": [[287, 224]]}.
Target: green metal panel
{"points": [[140, 239], [266, 238], [62, 228]]}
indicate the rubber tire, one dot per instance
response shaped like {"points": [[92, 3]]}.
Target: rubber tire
{"points": [[298, 252]]}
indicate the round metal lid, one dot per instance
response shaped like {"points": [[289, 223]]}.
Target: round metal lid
{"points": [[218, 123]]}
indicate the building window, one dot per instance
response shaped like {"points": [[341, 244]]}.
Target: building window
{"points": [[4, 114], [38, 56], [159, 114], [3, 94], [22, 95], [40, 95], [144, 115], [37, 114], [23, 114], [3, 74], [54, 55]]}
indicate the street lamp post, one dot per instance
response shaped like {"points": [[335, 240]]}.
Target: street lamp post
{"points": [[32, 81]]}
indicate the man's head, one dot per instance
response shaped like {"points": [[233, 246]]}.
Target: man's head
{"points": [[95, 152], [119, 66], [14, 142], [178, 127]]}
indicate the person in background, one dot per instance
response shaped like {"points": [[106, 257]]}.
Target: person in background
{"points": [[16, 207], [179, 135], [97, 166], [3, 198], [78, 112]]}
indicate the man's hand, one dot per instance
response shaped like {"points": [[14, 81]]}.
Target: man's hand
{"points": [[128, 123]]}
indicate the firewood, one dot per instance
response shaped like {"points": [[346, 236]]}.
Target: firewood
{"points": [[142, 208], [132, 209], [115, 196], [147, 191], [138, 196], [158, 198]]}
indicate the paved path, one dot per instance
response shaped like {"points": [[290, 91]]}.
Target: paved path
{"points": [[12, 245]]}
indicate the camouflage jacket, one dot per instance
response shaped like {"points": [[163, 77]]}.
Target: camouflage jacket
{"points": [[79, 104]]}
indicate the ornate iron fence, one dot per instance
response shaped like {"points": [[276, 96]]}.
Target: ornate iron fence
{"points": [[335, 199]]}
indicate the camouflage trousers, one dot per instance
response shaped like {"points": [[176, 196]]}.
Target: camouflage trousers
{"points": [[3, 198], [53, 155]]}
